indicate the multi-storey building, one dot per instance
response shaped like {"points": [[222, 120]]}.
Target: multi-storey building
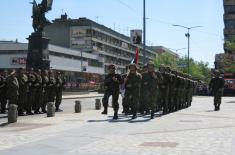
{"points": [[229, 19], [88, 36]]}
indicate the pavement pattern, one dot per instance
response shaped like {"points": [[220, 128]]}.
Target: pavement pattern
{"points": [[197, 130]]}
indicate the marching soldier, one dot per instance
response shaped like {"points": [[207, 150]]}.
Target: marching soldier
{"points": [[3, 90], [12, 88], [132, 85], [51, 87], [216, 86], [31, 92], [45, 83], [38, 91], [23, 86], [111, 84], [164, 90], [59, 89], [149, 86]]}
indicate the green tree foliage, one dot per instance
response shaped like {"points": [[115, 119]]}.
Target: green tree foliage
{"points": [[166, 59], [198, 70], [229, 45]]}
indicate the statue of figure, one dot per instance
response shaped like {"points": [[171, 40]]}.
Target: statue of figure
{"points": [[39, 11]]}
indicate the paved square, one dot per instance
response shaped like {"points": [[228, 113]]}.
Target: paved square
{"points": [[197, 130]]}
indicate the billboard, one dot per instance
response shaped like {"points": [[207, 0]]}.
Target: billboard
{"points": [[136, 36]]}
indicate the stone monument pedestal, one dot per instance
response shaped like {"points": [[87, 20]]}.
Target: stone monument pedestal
{"points": [[38, 54]]}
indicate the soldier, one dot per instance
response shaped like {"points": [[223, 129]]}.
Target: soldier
{"points": [[132, 85], [111, 84], [125, 105], [59, 89], [170, 89], [3, 90], [216, 86], [12, 88], [45, 83], [38, 91], [23, 86], [164, 89], [31, 92], [149, 86], [51, 87]]}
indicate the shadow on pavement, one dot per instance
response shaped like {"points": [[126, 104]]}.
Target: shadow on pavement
{"points": [[209, 110], [3, 125]]}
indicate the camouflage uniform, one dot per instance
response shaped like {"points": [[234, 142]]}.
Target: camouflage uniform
{"points": [[132, 94], [149, 88], [38, 91], [45, 83], [31, 92], [51, 87], [112, 89], [23, 88], [3, 90], [217, 85], [59, 89], [12, 89], [164, 90]]}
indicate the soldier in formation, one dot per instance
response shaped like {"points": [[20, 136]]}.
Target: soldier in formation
{"points": [[151, 91], [30, 90]]}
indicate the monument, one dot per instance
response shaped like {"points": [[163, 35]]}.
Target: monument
{"points": [[38, 54]]}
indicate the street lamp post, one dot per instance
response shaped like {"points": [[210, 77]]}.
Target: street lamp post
{"points": [[188, 36], [144, 32]]}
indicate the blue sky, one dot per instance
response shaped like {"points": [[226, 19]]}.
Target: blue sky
{"points": [[123, 15]]}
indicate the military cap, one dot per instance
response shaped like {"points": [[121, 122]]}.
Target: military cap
{"points": [[111, 66], [132, 64]]}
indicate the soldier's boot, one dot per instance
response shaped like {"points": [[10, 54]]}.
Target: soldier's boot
{"points": [[152, 114], [134, 116], [115, 116], [105, 112], [20, 112], [218, 106]]}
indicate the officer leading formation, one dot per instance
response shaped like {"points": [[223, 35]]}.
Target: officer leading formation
{"points": [[148, 91], [30, 90]]}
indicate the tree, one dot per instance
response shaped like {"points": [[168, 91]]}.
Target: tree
{"points": [[198, 70], [166, 59]]}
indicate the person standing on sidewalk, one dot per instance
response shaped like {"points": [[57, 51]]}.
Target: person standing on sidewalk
{"points": [[111, 84], [12, 88], [216, 86]]}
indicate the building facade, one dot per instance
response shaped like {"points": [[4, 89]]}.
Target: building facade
{"points": [[74, 64], [225, 61], [229, 19], [88, 36]]}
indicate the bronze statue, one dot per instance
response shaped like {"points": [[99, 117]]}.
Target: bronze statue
{"points": [[39, 11]]}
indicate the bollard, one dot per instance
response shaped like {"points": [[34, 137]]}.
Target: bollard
{"points": [[78, 107], [50, 109], [12, 113], [97, 104]]}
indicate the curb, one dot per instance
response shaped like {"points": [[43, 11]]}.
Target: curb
{"points": [[93, 96]]}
